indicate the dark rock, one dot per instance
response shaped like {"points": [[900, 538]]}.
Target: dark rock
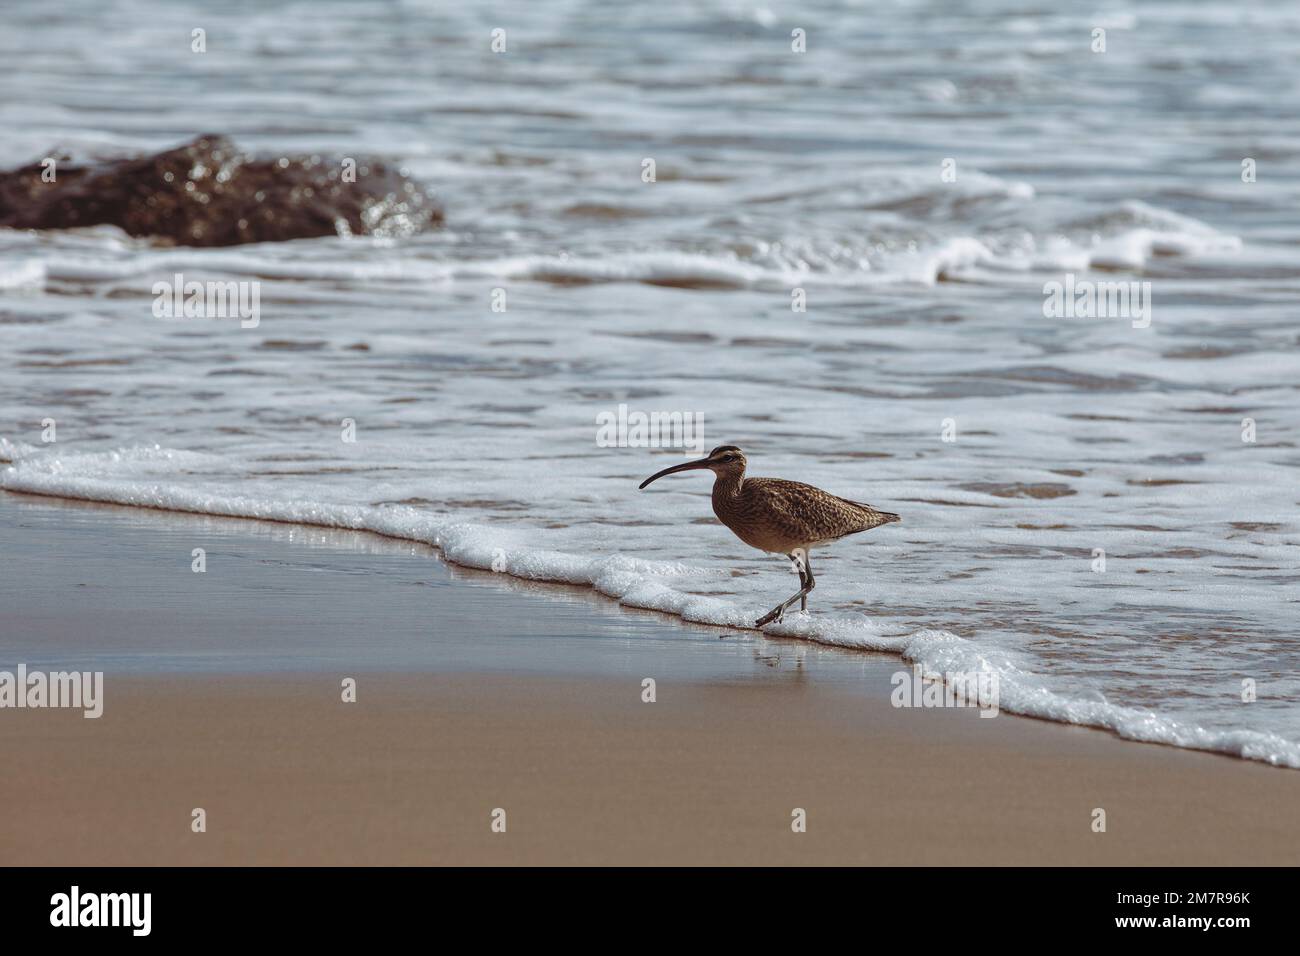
{"points": [[208, 192]]}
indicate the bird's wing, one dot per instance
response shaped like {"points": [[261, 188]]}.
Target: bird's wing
{"points": [[799, 508], [786, 505]]}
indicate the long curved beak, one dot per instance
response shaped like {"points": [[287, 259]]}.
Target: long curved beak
{"points": [[684, 466]]}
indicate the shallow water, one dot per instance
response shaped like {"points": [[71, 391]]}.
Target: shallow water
{"points": [[476, 429], [98, 587]]}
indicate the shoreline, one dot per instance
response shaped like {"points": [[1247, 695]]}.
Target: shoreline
{"points": [[158, 543], [367, 538], [472, 696]]}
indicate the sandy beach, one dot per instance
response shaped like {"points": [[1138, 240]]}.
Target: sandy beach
{"points": [[588, 774], [530, 703]]}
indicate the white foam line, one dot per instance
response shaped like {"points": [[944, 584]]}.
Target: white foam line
{"points": [[951, 257], [634, 583]]}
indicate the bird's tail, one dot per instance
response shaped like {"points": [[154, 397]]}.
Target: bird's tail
{"points": [[878, 517]]}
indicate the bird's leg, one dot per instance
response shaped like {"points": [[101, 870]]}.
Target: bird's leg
{"points": [[806, 584]]}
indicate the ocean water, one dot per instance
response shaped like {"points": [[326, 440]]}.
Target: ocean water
{"points": [[476, 429]]}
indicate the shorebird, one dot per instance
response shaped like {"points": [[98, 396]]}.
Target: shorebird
{"points": [[779, 516]]}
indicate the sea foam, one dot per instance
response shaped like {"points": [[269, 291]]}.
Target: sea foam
{"points": [[130, 477]]}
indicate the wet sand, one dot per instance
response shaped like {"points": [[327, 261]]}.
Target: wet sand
{"points": [[223, 692]]}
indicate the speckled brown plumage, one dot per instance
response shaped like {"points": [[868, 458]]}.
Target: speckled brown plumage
{"points": [[784, 517], [781, 516]]}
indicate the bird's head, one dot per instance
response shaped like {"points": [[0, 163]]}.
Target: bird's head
{"points": [[723, 461]]}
